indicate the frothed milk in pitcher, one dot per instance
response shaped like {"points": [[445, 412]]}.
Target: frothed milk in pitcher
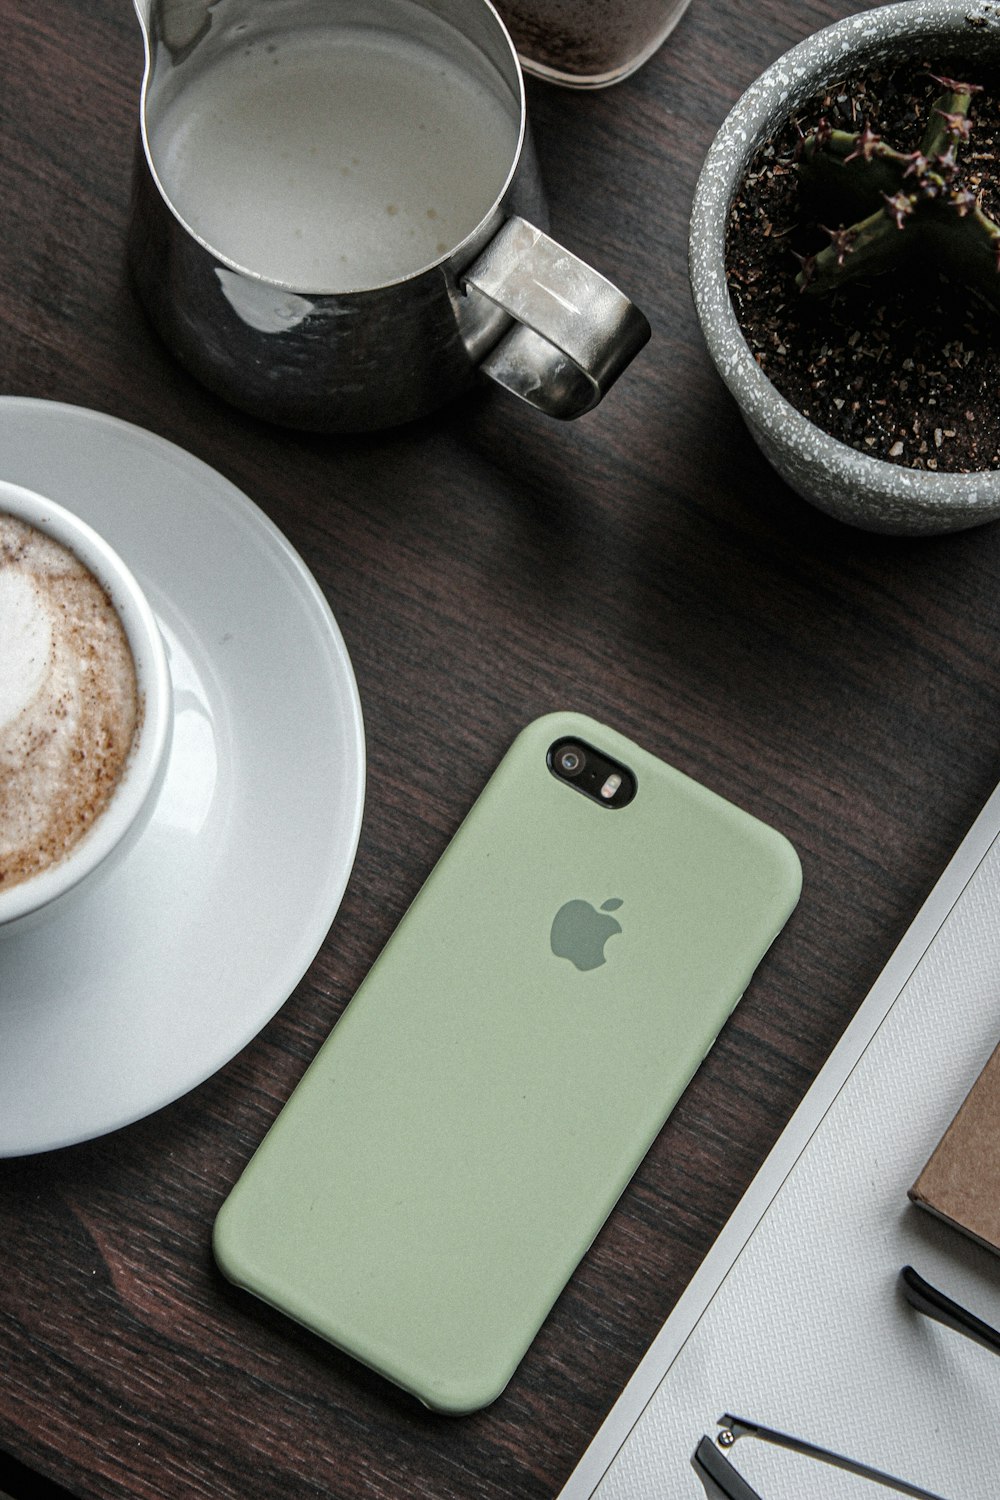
{"points": [[336, 158]]}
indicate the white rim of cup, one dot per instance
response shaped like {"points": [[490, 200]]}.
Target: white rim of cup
{"points": [[146, 764]]}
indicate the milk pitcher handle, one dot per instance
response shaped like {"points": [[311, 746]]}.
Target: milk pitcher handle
{"points": [[573, 331]]}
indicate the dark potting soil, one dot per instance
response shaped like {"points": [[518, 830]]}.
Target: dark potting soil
{"points": [[905, 366]]}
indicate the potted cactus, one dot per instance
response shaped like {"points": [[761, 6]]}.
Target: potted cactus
{"points": [[845, 264]]}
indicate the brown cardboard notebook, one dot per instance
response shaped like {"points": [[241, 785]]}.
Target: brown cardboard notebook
{"points": [[961, 1181]]}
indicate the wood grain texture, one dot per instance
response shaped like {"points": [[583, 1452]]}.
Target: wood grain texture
{"points": [[643, 565]]}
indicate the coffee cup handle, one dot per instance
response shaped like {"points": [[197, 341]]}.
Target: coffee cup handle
{"points": [[568, 332]]}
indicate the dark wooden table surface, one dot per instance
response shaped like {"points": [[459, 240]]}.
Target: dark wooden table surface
{"points": [[842, 686]]}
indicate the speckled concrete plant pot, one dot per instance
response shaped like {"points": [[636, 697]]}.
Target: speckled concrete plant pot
{"points": [[852, 486]]}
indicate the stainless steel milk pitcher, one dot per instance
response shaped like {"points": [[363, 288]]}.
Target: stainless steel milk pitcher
{"points": [[327, 351]]}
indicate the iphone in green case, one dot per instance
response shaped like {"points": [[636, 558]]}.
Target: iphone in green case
{"points": [[466, 1129]]}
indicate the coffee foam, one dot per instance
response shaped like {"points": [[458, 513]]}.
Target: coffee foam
{"points": [[69, 700]]}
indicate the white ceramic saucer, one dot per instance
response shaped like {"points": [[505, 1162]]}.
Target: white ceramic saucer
{"points": [[147, 984]]}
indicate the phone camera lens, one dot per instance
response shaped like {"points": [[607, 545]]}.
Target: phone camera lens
{"points": [[570, 760], [591, 773]]}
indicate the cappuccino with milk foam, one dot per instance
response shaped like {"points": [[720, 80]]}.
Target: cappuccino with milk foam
{"points": [[69, 700]]}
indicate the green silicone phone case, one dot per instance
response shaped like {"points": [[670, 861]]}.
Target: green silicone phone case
{"points": [[461, 1137]]}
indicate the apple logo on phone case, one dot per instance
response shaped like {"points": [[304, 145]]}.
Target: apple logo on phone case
{"points": [[579, 932]]}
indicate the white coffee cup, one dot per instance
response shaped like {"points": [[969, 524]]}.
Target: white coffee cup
{"points": [[121, 820]]}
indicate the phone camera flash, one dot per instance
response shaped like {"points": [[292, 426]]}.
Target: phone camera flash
{"points": [[591, 772]]}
